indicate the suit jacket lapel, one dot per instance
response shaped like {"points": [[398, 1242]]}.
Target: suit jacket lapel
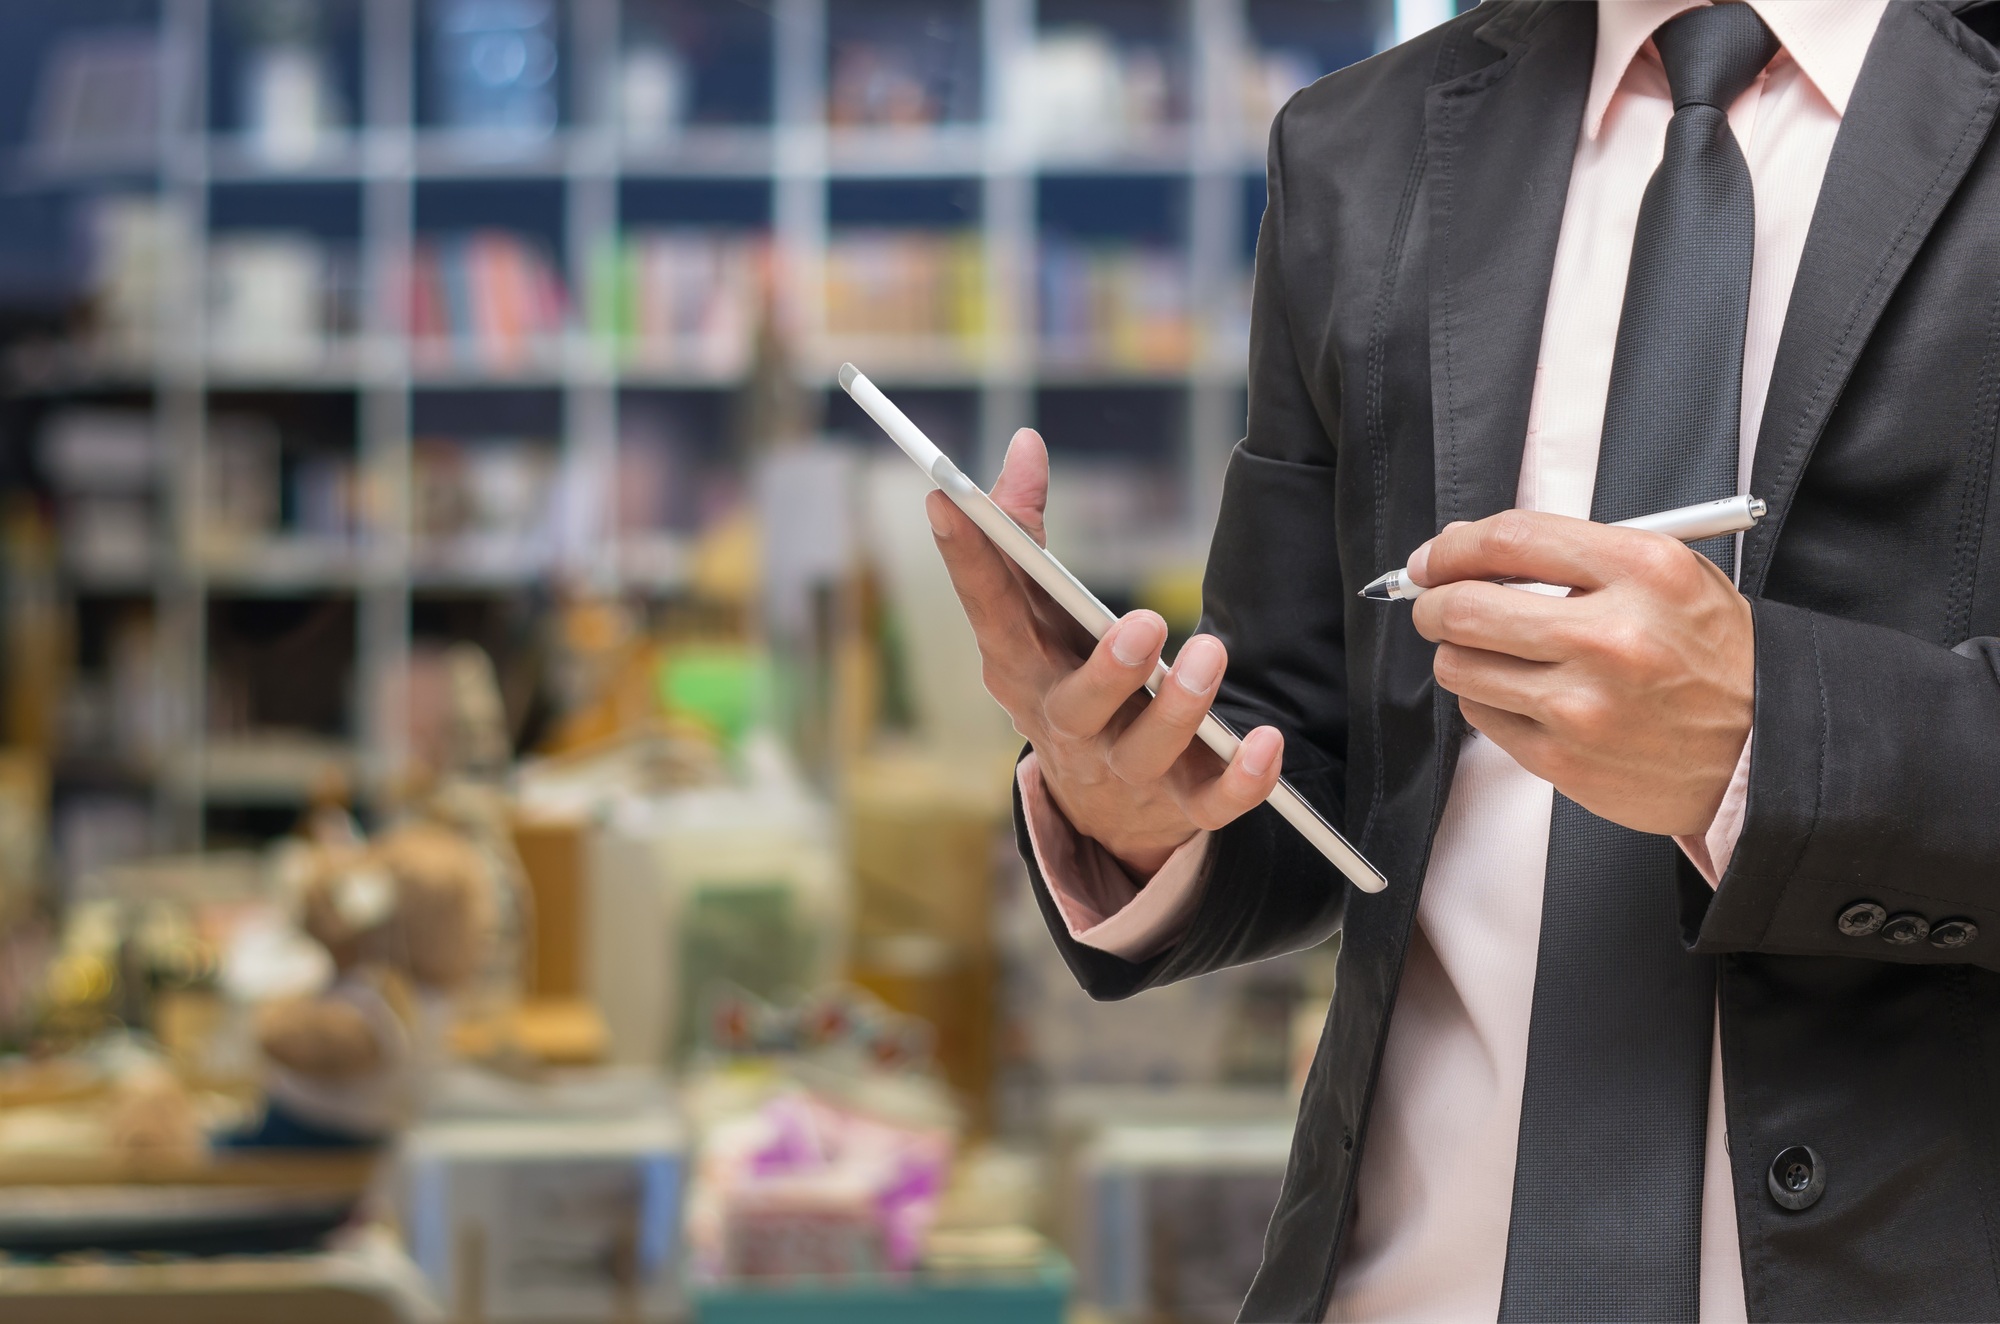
{"points": [[1918, 116], [1500, 142]]}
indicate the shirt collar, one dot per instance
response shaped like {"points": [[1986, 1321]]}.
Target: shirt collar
{"points": [[1828, 38]]}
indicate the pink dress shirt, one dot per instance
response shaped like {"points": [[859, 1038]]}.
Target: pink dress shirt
{"points": [[1429, 1233]]}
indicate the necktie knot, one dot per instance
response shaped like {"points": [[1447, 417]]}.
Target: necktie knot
{"points": [[1712, 53]]}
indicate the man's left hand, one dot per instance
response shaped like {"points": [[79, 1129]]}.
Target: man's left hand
{"points": [[1633, 695]]}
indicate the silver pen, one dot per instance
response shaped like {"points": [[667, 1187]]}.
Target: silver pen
{"points": [[1710, 519]]}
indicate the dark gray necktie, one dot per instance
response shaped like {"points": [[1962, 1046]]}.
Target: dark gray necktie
{"points": [[1606, 1220]]}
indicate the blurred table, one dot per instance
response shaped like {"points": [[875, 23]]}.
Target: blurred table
{"points": [[363, 1279]]}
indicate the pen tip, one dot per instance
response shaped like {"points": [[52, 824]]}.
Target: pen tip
{"points": [[848, 372]]}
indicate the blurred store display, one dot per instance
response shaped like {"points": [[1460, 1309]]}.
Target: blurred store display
{"points": [[917, 294], [483, 503], [433, 530], [562, 1213], [487, 298], [1115, 306], [682, 299]]}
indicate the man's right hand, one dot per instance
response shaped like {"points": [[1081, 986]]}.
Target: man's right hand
{"points": [[1123, 767]]}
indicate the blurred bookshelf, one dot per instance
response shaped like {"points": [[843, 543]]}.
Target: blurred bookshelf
{"points": [[411, 296]]}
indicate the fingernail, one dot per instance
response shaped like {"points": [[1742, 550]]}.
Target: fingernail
{"points": [[1420, 561], [935, 514], [1134, 640], [1198, 665], [1257, 754]]}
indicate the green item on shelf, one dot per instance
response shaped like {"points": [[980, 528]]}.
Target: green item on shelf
{"points": [[1036, 1297], [723, 689]]}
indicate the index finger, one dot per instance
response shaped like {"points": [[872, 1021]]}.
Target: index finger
{"points": [[1530, 545]]}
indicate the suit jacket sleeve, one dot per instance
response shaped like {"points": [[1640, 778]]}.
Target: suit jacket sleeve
{"points": [[1874, 777], [1274, 596]]}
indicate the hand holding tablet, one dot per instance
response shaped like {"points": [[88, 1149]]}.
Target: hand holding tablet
{"points": [[1083, 605]]}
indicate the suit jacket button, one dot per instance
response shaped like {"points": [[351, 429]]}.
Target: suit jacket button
{"points": [[1863, 919], [1798, 1177], [1904, 929], [1951, 934]]}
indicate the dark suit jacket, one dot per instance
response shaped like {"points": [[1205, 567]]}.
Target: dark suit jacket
{"points": [[1402, 272]]}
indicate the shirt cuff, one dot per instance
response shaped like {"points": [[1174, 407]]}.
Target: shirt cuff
{"points": [[1099, 903], [1711, 851]]}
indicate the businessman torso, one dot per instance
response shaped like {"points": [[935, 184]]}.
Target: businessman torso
{"points": [[1403, 274]]}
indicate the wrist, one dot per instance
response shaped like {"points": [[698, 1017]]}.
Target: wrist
{"points": [[1141, 852]]}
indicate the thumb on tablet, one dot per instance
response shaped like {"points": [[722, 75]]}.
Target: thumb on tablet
{"points": [[1022, 489]]}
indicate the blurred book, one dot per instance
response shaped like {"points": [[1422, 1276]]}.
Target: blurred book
{"points": [[489, 299], [681, 299], [1115, 304], [922, 287]]}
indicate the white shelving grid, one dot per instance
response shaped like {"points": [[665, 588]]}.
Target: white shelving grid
{"points": [[390, 156]]}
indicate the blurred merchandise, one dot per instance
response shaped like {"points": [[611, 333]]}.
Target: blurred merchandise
{"points": [[138, 250], [698, 891], [101, 95], [118, 709], [1233, 1027], [802, 1187], [405, 920], [288, 106], [24, 829], [241, 493], [902, 79], [495, 63], [326, 497], [682, 299], [925, 836], [652, 90], [1083, 92], [101, 464], [99, 449], [488, 299], [94, 830], [37, 632], [276, 298], [1115, 305], [1170, 1218], [483, 503], [924, 288], [560, 1215], [672, 481]]}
